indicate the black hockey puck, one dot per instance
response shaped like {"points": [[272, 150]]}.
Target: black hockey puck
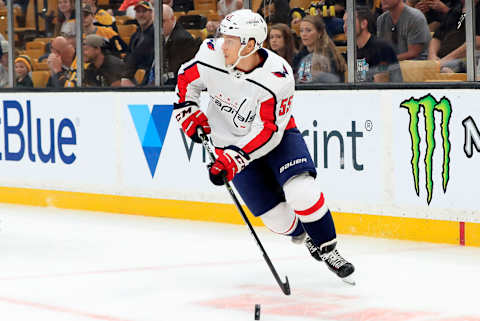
{"points": [[257, 311]]}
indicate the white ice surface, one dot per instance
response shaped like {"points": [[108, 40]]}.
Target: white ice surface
{"points": [[72, 265]]}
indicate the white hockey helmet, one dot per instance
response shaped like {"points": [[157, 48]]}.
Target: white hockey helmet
{"points": [[246, 25]]}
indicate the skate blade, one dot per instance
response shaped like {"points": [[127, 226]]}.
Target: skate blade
{"points": [[349, 280]]}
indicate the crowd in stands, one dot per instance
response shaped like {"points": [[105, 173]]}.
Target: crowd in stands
{"points": [[119, 46]]}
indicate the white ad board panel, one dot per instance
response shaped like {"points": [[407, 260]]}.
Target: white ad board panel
{"points": [[59, 141]]}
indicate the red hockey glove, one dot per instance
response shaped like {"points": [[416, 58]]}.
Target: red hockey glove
{"points": [[189, 116], [231, 161]]}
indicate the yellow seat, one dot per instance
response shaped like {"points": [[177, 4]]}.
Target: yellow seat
{"points": [[40, 65], [178, 14], [443, 77], [300, 3], [40, 78], [419, 70], [205, 5], [34, 53], [122, 19], [35, 45], [126, 32], [202, 12], [341, 49], [139, 75]]}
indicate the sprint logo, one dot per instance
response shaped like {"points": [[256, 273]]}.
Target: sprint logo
{"points": [[429, 105], [151, 129]]}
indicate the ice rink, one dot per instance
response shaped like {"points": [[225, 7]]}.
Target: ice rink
{"points": [[78, 266]]}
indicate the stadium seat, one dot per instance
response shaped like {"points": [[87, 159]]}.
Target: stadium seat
{"points": [[419, 70], [126, 32], [35, 45], [122, 19], [38, 66], [445, 77], [205, 5], [139, 75], [40, 78]]}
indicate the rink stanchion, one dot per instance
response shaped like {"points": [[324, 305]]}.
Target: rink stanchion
{"points": [[285, 286]]}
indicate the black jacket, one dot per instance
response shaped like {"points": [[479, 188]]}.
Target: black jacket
{"points": [[141, 50], [179, 48]]}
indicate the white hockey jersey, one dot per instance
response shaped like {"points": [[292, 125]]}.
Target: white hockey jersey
{"points": [[248, 110]]}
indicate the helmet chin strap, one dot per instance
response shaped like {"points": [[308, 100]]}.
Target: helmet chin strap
{"points": [[231, 67]]}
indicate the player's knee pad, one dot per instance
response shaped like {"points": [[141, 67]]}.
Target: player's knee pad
{"points": [[305, 197], [281, 219]]}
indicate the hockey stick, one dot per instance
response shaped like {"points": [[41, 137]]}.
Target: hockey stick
{"points": [[284, 286]]}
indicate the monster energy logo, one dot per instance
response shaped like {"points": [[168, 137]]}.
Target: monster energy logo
{"points": [[430, 105]]}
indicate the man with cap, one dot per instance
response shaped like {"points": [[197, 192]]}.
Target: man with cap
{"points": [[104, 69], [141, 43]]}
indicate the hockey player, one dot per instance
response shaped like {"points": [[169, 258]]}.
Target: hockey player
{"points": [[249, 119]]}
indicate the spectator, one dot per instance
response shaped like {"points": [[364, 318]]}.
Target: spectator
{"points": [[434, 10], [66, 16], [62, 63], [4, 64], [405, 28], [224, 7], [23, 69], [376, 59], [448, 44], [315, 41], [104, 69], [101, 17], [117, 45], [179, 46], [280, 40], [141, 50], [275, 11], [129, 7]]}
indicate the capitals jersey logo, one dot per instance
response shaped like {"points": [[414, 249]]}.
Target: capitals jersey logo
{"points": [[211, 45], [281, 74]]}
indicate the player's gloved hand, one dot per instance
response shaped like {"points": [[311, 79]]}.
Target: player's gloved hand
{"points": [[231, 161], [189, 116]]}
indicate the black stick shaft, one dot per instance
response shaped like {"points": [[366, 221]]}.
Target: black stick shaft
{"points": [[285, 286]]}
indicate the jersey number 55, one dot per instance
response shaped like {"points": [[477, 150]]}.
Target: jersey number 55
{"points": [[285, 105]]}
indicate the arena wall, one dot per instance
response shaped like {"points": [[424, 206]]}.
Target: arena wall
{"points": [[391, 163]]}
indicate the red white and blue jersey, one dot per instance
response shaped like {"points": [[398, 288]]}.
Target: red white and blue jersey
{"points": [[248, 110]]}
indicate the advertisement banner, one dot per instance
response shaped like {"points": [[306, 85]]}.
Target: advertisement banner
{"points": [[436, 145], [59, 141], [406, 153]]}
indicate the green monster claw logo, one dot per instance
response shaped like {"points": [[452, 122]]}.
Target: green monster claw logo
{"points": [[429, 105]]}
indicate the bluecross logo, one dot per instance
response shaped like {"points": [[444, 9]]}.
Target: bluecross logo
{"points": [[151, 129]]}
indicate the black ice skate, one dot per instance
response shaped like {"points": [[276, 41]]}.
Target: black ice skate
{"points": [[334, 261]]}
